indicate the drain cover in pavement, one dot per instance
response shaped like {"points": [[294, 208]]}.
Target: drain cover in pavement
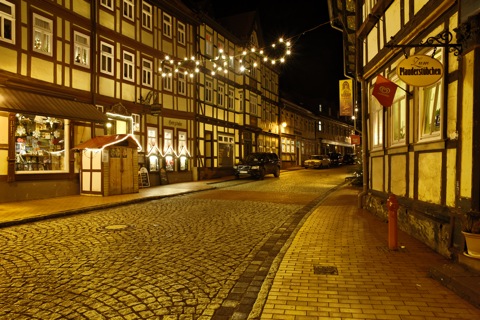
{"points": [[327, 270]]}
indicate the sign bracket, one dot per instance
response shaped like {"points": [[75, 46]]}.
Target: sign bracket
{"points": [[443, 39]]}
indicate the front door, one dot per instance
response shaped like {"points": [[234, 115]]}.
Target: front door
{"points": [[122, 172]]}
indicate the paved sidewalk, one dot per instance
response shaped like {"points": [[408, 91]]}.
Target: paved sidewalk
{"points": [[12, 213], [337, 265]]}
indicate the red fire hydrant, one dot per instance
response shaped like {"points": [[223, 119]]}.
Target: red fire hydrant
{"points": [[392, 206]]}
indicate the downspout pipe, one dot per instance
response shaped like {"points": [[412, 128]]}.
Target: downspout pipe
{"points": [[364, 191]]}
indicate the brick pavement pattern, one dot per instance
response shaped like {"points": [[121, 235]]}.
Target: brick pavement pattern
{"points": [[339, 267]]}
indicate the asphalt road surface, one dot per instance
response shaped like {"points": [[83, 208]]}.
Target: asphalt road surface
{"points": [[196, 256]]}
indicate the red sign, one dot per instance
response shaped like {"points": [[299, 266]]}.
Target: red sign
{"points": [[384, 90], [355, 139]]}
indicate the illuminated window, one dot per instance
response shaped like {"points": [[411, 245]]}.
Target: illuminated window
{"points": [[106, 58], [431, 107], [209, 44], [42, 34], [225, 150], [182, 141], [398, 116], [168, 150], [82, 49], [376, 115], [41, 144], [128, 9], [147, 73], [128, 66], [7, 21], [180, 33], [167, 25], [151, 138], [182, 151], [167, 140], [136, 122], [146, 16]]}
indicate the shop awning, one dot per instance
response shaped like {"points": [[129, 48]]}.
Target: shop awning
{"points": [[100, 142], [20, 101], [337, 143]]}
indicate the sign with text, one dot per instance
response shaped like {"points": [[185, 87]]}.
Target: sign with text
{"points": [[346, 97], [355, 139], [420, 70]]}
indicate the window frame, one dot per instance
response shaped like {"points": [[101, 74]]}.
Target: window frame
{"points": [[231, 99], [81, 49], [181, 32], [435, 107], [44, 32], [107, 4], [128, 9], [208, 91], [136, 122], [181, 83], [398, 114], [147, 73], [4, 16], [376, 116], [167, 25], [220, 95], [209, 44], [147, 15], [253, 105], [107, 58], [167, 76], [128, 66]]}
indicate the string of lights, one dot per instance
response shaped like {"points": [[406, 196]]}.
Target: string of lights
{"points": [[248, 58]]}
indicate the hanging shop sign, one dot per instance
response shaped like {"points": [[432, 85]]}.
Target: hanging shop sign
{"points": [[346, 97], [420, 70]]}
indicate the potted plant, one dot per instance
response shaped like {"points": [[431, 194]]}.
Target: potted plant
{"points": [[471, 232]]}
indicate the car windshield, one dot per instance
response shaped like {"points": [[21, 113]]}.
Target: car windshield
{"points": [[316, 157], [253, 157]]}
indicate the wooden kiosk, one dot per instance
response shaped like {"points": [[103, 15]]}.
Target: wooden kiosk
{"points": [[109, 165]]}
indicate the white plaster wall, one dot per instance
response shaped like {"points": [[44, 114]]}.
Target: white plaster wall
{"points": [[4, 140], [398, 182], [465, 129], [372, 46], [451, 177], [377, 174], [392, 19], [417, 5], [411, 175], [429, 177]]}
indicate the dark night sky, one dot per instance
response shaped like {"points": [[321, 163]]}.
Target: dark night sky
{"points": [[312, 72]]}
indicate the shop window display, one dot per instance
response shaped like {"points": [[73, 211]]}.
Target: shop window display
{"points": [[39, 143]]}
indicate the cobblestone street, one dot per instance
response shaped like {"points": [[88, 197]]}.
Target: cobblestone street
{"points": [[196, 256]]}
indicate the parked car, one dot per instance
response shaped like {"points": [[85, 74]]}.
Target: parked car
{"points": [[336, 159], [350, 158], [259, 164], [317, 162]]}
